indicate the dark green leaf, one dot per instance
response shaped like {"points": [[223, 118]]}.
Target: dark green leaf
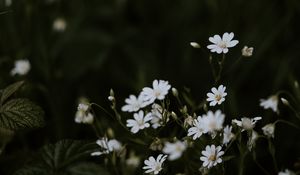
{"points": [[21, 113], [63, 158], [9, 90], [66, 152]]}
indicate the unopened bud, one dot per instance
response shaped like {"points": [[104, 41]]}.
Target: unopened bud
{"points": [[110, 133], [284, 101], [111, 98], [174, 116], [59, 25], [175, 92], [296, 84], [112, 93], [247, 51], [195, 45], [184, 110]]}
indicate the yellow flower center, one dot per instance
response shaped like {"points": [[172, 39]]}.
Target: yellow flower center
{"points": [[212, 157], [222, 44], [218, 97]]}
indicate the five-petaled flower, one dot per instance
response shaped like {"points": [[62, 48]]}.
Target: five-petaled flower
{"points": [[159, 90], [139, 122], [153, 165], [217, 96], [175, 149], [211, 156], [246, 123], [222, 44]]}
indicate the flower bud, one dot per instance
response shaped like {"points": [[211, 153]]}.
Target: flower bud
{"points": [[247, 51], [175, 92], [269, 129], [195, 45]]}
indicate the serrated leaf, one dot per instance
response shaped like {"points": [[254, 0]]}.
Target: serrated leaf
{"points": [[9, 90], [66, 152], [21, 113], [60, 158]]}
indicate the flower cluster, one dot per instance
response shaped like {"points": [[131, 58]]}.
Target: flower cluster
{"points": [[175, 131]]}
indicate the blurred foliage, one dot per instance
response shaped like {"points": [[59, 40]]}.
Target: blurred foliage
{"points": [[125, 44]]}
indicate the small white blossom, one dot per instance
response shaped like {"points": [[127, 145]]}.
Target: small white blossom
{"points": [[286, 172], [247, 51], [211, 156], [154, 166], [247, 123], [222, 44], [133, 103], [269, 129], [83, 115], [139, 122], [107, 146], [59, 24], [213, 122], [195, 45], [133, 160], [156, 114], [188, 121], [198, 128], [22, 67], [217, 96], [252, 139], [159, 90], [174, 150], [270, 103], [227, 135]]}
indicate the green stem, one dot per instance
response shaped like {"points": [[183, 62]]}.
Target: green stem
{"points": [[221, 64], [286, 122], [272, 152]]}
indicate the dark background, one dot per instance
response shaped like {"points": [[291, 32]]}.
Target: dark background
{"points": [[126, 44]]}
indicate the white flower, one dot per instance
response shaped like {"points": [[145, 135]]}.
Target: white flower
{"points": [[227, 135], [107, 146], [174, 150], [195, 45], [83, 115], [213, 122], [222, 44], [246, 123], [154, 166], [156, 114], [22, 67], [139, 122], [198, 128], [217, 96], [269, 129], [59, 24], [247, 51], [286, 172], [133, 103], [270, 103], [211, 156], [188, 121], [252, 139], [159, 91], [133, 160]]}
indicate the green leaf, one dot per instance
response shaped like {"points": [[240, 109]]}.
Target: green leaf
{"points": [[66, 152], [66, 157], [9, 90], [21, 113]]}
